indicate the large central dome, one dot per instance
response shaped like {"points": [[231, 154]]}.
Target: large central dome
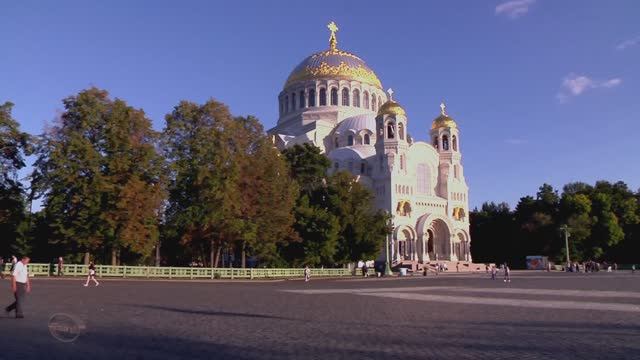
{"points": [[333, 64]]}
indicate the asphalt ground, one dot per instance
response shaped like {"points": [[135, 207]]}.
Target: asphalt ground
{"points": [[463, 316]]}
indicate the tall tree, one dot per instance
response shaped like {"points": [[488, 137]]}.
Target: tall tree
{"points": [[362, 228], [101, 177], [14, 145]]}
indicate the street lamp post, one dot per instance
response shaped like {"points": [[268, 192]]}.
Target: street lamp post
{"points": [[565, 228], [387, 265]]}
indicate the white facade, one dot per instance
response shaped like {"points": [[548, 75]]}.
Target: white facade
{"points": [[363, 131]]}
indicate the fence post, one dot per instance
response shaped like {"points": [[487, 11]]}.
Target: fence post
{"points": [[124, 271], [169, 272], [251, 273]]}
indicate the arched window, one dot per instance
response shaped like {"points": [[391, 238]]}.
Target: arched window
{"points": [[435, 142], [365, 100], [302, 99], [445, 143], [336, 143], [401, 131], [281, 106], [323, 97], [402, 167], [390, 131], [356, 98], [312, 98], [454, 142], [334, 96], [286, 104], [345, 97], [350, 140], [367, 139], [373, 103], [379, 101], [293, 102], [456, 171]]}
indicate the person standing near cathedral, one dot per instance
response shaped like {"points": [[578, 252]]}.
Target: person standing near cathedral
{"points": [[494, 271], [20, 286], [307, 273], [507, 273], [60, 266]]}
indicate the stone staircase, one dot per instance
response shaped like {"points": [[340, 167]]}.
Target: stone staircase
{"points": [[413, 266]]}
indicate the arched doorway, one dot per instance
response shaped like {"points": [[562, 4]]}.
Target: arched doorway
{"points": [[463, 246], [436, 236], [405, 248]]}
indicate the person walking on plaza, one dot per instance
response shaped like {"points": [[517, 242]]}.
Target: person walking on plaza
{"points": [[307, 273], [507, 273], [494, 271], [60, 266], [20, 286], [92, 275], [14, 261]]}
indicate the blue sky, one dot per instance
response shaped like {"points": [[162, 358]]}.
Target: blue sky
{"points": [[543, 91]]}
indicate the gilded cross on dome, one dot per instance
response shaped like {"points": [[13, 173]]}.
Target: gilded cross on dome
{"points": [[442, 107], [333, 41], [390, 92]]}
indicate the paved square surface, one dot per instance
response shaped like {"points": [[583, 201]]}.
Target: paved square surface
{"points": [[537, 315]]}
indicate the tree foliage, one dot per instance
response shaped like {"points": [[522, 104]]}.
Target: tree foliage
{"points": [[101, 177], [14, 145], [603, 222]]}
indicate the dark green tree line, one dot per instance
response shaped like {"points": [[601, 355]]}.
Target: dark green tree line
{"points": [[603, 221]]}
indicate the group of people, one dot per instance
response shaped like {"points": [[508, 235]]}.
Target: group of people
{"points": [[494, 271]]}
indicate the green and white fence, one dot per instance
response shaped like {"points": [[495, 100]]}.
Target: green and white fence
{"points": [[102, 271]]}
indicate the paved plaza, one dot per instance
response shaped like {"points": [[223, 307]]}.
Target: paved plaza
{"points": [[537, 315]]}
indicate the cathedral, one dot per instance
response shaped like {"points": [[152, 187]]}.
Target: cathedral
{"points": [[333, 100]]}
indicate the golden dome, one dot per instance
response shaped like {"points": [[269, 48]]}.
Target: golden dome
{"points": [[444, 120], [391, 108], [333, 64]]}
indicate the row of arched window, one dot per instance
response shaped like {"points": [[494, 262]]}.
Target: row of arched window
{"points": [[288, 102], [361, 140], [445, 143], [459, 196], [404, 189], [364, 169]]}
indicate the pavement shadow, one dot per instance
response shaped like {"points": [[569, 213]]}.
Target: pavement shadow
{"points": [[213, 313]]}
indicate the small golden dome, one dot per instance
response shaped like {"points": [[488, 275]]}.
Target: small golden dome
{"points": [[391, 108], [443, 120]]}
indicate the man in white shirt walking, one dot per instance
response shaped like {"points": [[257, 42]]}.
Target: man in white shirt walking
{"points": [[20, 285]]}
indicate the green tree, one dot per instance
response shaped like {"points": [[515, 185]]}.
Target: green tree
{"points": [[101, 177], [14, 145], [362, 228]]}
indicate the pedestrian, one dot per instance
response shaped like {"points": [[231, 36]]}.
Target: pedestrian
{"points": [[20, 286], [615, 266], [92, 275], [486, 268], [307, 273], [365, 270], [633, 269], [445, 267], [494, 271], [14, 261], [458, 266], [60, 266], [507, 273]]}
